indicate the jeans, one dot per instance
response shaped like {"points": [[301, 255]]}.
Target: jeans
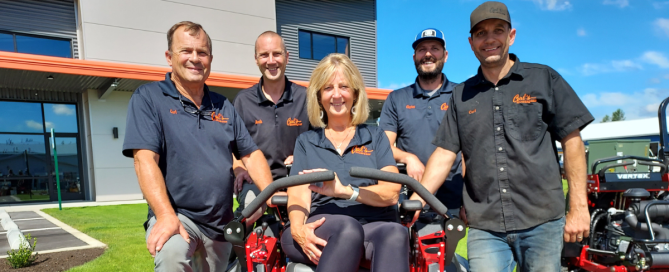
{"points": [[534, 249]]}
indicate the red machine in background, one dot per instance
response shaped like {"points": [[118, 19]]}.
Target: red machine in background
{"points": [[629, 226]]}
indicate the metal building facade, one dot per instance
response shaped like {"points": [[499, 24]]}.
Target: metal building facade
{"points": [[349, 18], [47, 18]]}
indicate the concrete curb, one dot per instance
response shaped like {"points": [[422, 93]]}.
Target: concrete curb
{"points": [[14, 235]]}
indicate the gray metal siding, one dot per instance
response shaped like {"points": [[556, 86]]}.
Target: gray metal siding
{"points": [[50, 18], [355, 19]]}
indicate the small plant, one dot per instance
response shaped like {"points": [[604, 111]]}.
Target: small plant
{"points": [[24, 255]]}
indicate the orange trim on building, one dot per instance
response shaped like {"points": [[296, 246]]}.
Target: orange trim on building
{"points": [[30, 62]]}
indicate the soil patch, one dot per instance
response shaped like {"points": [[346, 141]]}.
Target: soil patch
{"points": [[57, 261]]}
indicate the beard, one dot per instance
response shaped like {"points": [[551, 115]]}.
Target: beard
{"points": [[429, 75]]}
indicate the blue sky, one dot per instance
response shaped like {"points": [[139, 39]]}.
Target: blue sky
{"points": [[614, 53]]}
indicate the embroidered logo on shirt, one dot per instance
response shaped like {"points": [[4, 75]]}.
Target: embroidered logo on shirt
{"points": [[411, 106], [173, 111], [525, 99], [218, 118], [472, 111], [293, 122], [362, 150], [258, 122], [444, 106]]}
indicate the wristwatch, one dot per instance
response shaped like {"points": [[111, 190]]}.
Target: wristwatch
{"points": [[355, 194]]}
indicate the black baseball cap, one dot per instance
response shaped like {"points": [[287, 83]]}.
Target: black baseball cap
{"points": [[489, 10]]}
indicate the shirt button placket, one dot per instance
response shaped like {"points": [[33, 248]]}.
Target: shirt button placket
{"points": [[501, 159]]}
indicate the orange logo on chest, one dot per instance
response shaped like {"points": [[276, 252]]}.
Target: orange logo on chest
{"points": [[293, 122], [173, 111], [525, 99], [411, 106], [472, 111], [258, 122], [444, 106], [218, 118], [362, 150]]}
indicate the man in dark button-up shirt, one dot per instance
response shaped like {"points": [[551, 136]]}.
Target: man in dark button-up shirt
{"points": [[505, 120], [274, 112]]}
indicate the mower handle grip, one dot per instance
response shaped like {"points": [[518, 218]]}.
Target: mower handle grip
{"points": [[285, 183], [647, 163], [370, 173]]}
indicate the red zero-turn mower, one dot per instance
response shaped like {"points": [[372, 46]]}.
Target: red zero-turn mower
{"points": [[259, 253], [629, 226]]}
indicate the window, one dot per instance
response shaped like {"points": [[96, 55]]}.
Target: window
{"points": [[35, 45], [316, 46], [27, 164]]}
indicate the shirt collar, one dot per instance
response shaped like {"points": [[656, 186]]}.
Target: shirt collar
{"points": [[287, 95], [516, 69], [170, 89], [362, 137], [418, 91]]}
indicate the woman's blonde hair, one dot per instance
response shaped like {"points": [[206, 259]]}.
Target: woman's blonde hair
{"points": [[322, 75]]}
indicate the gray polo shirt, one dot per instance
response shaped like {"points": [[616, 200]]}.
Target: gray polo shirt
{"points": [[507, 136], [195, 149], [415, 116], [274, 127]]}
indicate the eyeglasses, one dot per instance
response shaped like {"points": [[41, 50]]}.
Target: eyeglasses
{"points": [[190, 108]]}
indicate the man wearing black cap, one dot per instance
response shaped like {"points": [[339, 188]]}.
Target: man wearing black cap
{"points": [[505, 120], [411, 115]]}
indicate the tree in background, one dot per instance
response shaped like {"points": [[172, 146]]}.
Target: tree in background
{"points": [[618, 115]]}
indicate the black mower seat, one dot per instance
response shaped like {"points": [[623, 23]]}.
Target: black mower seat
{"points": [[298, 267]]}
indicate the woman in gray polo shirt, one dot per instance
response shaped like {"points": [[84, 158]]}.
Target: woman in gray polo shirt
{"points": [[347, 222]]}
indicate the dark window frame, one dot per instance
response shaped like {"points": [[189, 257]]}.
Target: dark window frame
{"points": [[48, 151], [38, 36], [311, 42]]}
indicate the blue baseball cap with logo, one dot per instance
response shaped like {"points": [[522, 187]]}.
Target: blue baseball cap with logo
{"points": [[429, 34]]}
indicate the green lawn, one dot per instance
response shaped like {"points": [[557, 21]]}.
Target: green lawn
{"points": [[120, 227]]}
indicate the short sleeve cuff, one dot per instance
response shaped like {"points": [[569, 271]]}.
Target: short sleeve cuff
{"points": [[128, 149], [246, 151], [578, 123], [446, 145], [388, 127]]}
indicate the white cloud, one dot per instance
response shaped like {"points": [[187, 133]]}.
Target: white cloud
{"points": [[656, 58], [590, 69], [554, 5], [638, 104], [581, 32], [662, 25], [619, 3], [661, 5], [34, 125], [655, 80], [62, 109]]}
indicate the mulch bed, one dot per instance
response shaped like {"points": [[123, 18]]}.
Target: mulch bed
{"points": [[57, 261]]}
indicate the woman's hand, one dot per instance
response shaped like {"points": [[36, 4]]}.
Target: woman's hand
{"points": [[332, 188], [304, 236]]}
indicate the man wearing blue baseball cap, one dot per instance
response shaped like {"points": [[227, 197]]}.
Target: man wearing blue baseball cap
{"points": [[412, 115]]}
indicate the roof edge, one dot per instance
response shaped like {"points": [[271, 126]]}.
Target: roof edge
{"points": [[30, 62]]}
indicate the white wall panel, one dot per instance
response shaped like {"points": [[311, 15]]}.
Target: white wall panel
{"points": [[135, 31]]}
